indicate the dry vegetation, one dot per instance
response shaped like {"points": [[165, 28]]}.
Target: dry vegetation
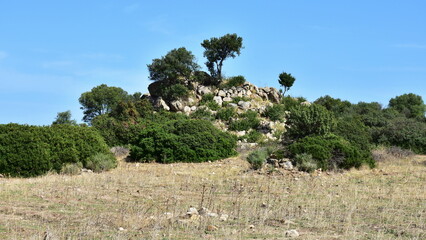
{"points": [[146, 201]]}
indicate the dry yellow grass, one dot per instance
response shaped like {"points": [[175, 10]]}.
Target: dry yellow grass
{"points": [[144, 201]]}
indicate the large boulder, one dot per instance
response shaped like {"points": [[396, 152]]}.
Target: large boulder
{"points": [[176, 106], [155, 89], [160, 104]]}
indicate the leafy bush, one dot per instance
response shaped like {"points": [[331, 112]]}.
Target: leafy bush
{"points": [[31, 151], [405, 133], [175, 92], [291, 102], [182, 141], [248, 121], [275, 112], [238, 99], [236, 81], [204, 78], [353, 130], [331, 152], [253, 136], [305, 162], [309, 120], [225, 114], [102, 162], [202, 113], [71, 168], [258, 158]]}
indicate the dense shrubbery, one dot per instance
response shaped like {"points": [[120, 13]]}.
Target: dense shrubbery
{"points": [[225, 114], [30, 151], [275, 112], [258, 158], [236, 81], [182, 141], [247, 121], [309, 120], [203, 113], [331, 152]]}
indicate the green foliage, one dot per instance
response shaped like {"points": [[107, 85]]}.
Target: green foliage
{"points": [[236, 81], [174, 92], [204, 78], [208, 101], [173, 68], [406, 133], [64, 118], [305, 162], [353, 130], [182, 141], [286, 80], [411, 105], [335, 105], [225, 114], [203, 113], [253, 136], [248, 120], [238, 99], [72, 168], [275, 112], [291, 102], [258, 158], [100, 100], [219, 49], [309, 120], [30, 151], [331, 152], [102, 162]]}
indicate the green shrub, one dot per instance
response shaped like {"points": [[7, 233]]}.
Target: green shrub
{"points": [[71, 168], [275, 112], [309, 120], [31, 151], [291, 102], [174, 92], [305, 162], [225, 114], [202, 113], [204, 78], [182, 141], [206, 98], [238, 99], [236, 81], [258, 158], [23, 154], [331, 152], [405, 133], [253, 136], [248, 120], [102, 162], [213, 105], [353, 130]]}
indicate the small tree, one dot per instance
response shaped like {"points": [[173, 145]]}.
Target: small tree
{"points": [[219, 49], [64, 118], [100, 100], [286, 80], [176, 67]]}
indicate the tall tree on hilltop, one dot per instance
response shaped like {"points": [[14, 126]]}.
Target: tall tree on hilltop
{"points": [[175, 67], [286, 80], [219, 49], [100, 100]]}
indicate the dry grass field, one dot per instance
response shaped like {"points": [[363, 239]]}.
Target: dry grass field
{"points": [[149, 201]]}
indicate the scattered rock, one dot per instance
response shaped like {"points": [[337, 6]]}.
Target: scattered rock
{"points": [[221, 93], [305, 103], [1, 176], [288, 165], [186, 109], [176, 106], [224, 217], [192, 211], [241, 133], [251, 226], [218, 100], [161, 104], [202, 90], [234, 105], [244, 105], [227, 99], [121, 229], [291, 233]]}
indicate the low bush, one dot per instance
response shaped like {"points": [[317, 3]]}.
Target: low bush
{"points": [[174, 92], [309, 120], [31, 151], [182, 141], [331, 152], [72, 168], [101, 162], [236, 81], [305, 162], [253, 136], [203, 114], [247, 121], [225, 114], [258, 158], [275, 112]]}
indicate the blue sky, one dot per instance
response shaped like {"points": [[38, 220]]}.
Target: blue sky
{"points": [[52, 51]]}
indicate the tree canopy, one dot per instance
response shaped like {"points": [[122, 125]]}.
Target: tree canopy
{"points": [[100, 100], [286, 80], [219, 49], [411, 105], [64, 118], [175, 67]]}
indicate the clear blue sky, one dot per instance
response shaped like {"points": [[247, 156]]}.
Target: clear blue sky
{"points": [[52, 51]]}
